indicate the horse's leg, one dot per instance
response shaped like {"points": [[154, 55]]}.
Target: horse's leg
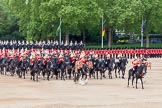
{"points": [[43, 73], [97, 74], [119, 73], [33, 76], [115, 73], [62, 74], [66, 72], [20, 74], [4, 71], [142, 83], [133, 81], [90, 73], [37, 73], [93, 73], [24, 74], [69, 72], [110, 74], [136, 82], [101, 71], [52, 73], [129, 76], [56, 73], [123, 73], [48, 74], [104, 73], [75, 77], [11, 72]]}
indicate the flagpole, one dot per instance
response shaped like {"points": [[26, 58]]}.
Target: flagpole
{"points": [[142, 33], [60, 33], [101, 34]]}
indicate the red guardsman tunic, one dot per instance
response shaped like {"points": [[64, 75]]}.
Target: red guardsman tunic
{"points": [[72, 59]]}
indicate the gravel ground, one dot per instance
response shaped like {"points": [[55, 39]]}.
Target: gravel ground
{"points": [[106, 93]]}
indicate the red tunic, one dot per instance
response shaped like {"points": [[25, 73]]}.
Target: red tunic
{"points": [[31, 61], [59, 60], [72, 59]]}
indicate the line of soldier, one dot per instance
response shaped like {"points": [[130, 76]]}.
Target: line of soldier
{"points": [[40, 44], [129, 53]]}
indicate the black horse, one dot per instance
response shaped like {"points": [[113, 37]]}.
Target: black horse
{"points": [[68, 66], [138, 74], [22, 68], [101, 68], [121, 66], [61, 67], [35, 71], [3, 65], [48, 69], [54, 66], [109, 65]]}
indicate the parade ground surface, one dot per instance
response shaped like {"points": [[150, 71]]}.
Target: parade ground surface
{"points": [[106, 93]]}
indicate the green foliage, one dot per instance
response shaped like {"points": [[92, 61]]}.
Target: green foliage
{"points": [[36, 18]]}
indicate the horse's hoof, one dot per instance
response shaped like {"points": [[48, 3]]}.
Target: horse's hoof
{"points": [[127, 85]]}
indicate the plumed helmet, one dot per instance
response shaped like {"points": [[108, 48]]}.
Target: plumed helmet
{"points": [[141, 55], [60, 56], [108, 56], [96, 56]]}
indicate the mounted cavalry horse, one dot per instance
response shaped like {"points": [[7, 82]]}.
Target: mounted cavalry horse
{"points": [[137, 73], [121, 66], [100, 67], [3, 64], [54, 66], [68, 66], [22, 67], [82, 69], [109, 62], [34, 68]]}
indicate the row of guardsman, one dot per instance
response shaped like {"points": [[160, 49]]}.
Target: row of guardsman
{"points": [[40, 44], [63, 64]]}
